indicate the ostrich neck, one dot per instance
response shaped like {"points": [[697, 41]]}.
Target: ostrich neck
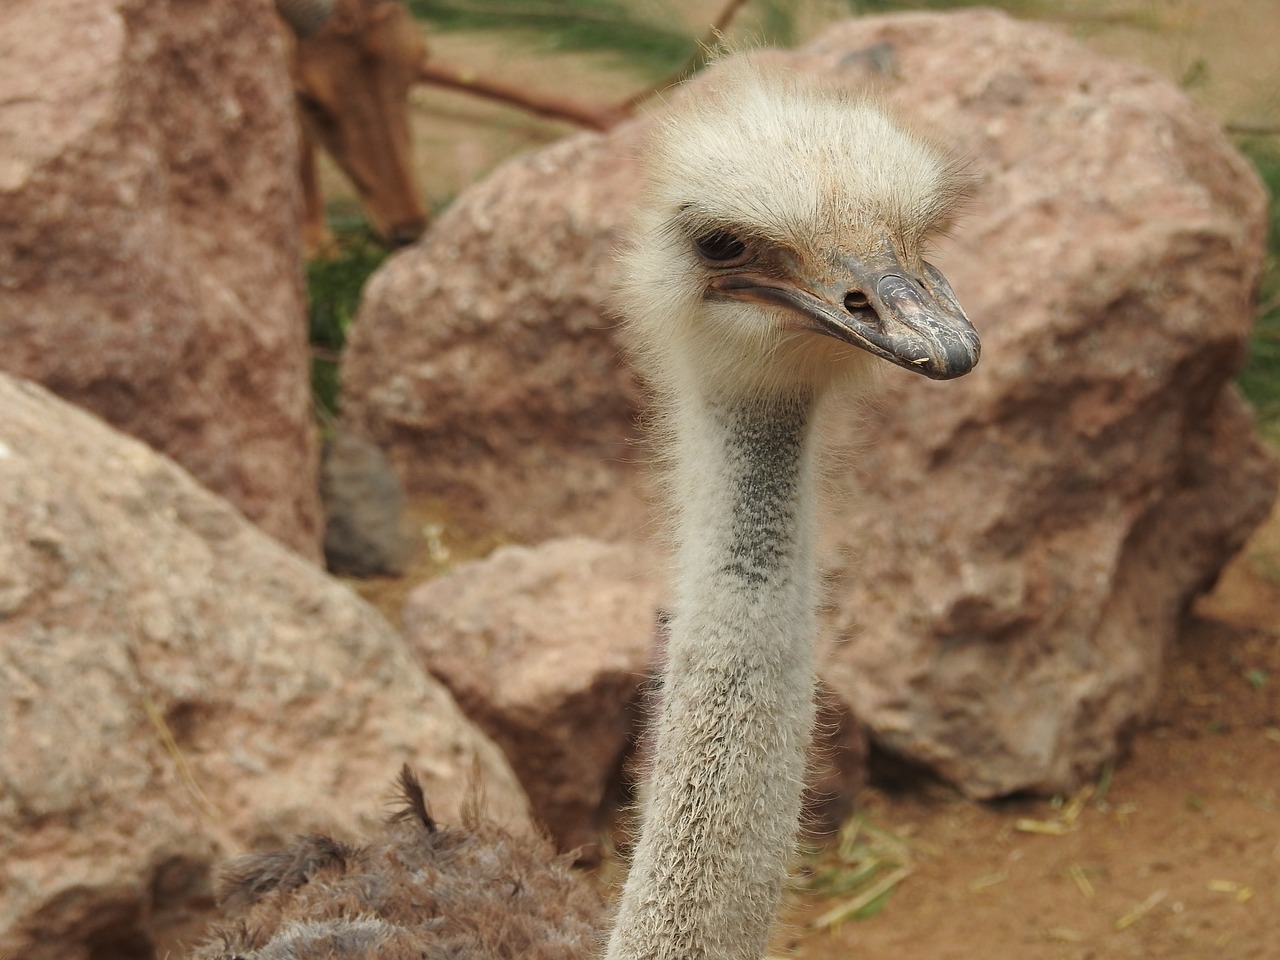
{"points": [[730, 746]]}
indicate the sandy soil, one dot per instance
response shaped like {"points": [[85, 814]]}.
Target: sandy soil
{"points": [[1175, 853]]}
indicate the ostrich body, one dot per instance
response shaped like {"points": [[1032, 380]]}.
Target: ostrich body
{"points": [[776, 255]]}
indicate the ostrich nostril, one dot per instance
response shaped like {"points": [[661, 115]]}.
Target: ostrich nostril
{"points": [[855, 301]]}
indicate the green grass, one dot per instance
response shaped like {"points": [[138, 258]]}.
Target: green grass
{"points": [[1260, 378], [334, 284]]}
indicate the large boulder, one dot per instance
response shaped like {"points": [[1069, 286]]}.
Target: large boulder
{"points": [[1013, 555], [178, 686], [149, 223]]}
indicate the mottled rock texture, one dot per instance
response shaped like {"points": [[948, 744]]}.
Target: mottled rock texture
{"points": [[485, 362], [545, 648], [178, 686], [1012, 554], [149, 254]]}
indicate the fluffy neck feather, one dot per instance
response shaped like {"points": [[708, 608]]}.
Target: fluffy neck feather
{"points": [[731, 740]]}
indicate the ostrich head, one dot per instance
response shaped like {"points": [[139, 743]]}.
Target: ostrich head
{"points": [[780, 244]]}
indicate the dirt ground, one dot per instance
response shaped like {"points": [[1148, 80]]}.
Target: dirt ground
{"points": [[1174, 853]]}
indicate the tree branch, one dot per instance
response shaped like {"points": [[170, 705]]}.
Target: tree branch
{"points": [[590, 115], [1254, 129]]}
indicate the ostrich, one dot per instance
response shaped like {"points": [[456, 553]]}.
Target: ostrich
{"points": [[776, 255]]}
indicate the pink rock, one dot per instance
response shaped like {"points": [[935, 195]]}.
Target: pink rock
{"points": [[544, 648], [149, 256], [179, 686], [485, 362]]}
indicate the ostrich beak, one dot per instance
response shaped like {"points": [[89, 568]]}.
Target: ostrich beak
{"points": [[910, 318]]}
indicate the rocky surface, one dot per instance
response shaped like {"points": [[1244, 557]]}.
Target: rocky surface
{"points": [[178, 686], [1010, 559], [545, 649], [485, 361], [149, 253]]}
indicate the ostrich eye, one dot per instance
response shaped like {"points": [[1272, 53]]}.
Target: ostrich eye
{"points": [[721, 249]]}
